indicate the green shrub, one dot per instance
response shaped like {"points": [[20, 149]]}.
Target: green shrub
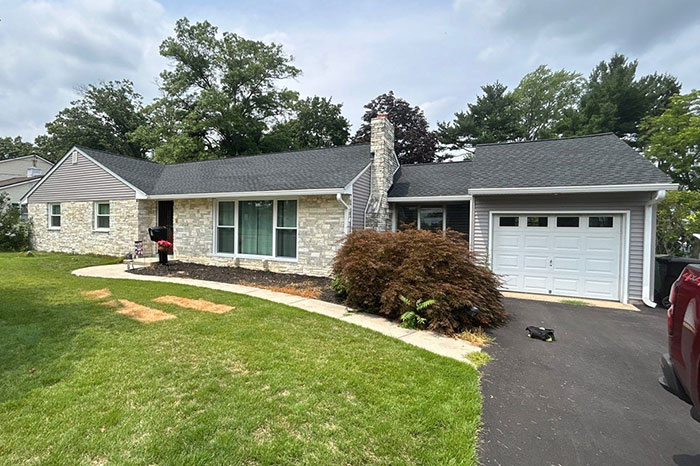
{"points": [[376, 269], [15, 232], [412, 317]]}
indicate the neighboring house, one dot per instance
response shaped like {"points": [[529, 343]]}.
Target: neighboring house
{"points": [[573, 217], [20, 174]]}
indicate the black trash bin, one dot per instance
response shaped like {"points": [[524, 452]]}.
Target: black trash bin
{"points": [[158, 234], [668, 268]]}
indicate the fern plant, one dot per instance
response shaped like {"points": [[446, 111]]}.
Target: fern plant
{"points": [[411, 318]]}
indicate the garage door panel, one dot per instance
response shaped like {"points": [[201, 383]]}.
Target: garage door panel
{"points": [[601, 244], [532, 263], [507, 240], [567, 243], [536, 283], [606, 266], [600, 288], [533, 242], [561, 285], [507, 260], [570, 261], [566, 264]]}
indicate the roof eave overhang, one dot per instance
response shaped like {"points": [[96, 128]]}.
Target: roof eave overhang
{"points": [[460, 197], [611, 188], [251, 194], [19, 183]]}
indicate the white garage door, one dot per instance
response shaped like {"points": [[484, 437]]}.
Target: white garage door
{"points": [[563, 254]]}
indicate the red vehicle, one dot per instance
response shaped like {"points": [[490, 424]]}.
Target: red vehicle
{"points": [[681, 366]]}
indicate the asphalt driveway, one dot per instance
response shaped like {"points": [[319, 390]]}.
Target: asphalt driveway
{"points": [[590, 398]]}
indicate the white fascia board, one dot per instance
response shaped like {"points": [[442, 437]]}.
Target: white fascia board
{"points": [[609, 188], [348, 187], [252, 194], [465, 197]]}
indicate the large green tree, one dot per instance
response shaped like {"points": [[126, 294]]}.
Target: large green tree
{"points": [[414, 142], [492, 118], [677, 219], [221, 96], [316, 122], [672, 139], [542, 99], [15, 147], [615, 100], [103, 118]]}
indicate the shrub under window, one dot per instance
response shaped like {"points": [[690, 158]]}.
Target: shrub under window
{"points": [[375, 269]]}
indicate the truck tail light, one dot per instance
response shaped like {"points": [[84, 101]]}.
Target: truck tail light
{"points": [[669, 314]]}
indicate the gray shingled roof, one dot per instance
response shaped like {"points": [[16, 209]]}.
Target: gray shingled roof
{"points": [[599, 159], [308, 169], [432, 179], [17, 179]]}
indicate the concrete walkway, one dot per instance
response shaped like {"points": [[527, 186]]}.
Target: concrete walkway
{"points": [[431, 341]]}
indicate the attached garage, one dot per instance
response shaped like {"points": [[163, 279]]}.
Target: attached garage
{"points": [[565, 254], [573, 217]]}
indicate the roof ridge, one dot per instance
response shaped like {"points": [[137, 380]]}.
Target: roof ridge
{"points": [[435, 163], [118, 155], [593, 135], [268, 154]]}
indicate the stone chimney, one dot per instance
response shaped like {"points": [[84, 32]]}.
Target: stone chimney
{"points": [[384, 165]]}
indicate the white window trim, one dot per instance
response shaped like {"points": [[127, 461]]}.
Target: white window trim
{"points": [[51, 214], [237, 254], [95, 215]]}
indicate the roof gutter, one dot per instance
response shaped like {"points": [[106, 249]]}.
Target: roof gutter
{"points": [[649, 249], [251, 194], [604, 188], [465, 197]]}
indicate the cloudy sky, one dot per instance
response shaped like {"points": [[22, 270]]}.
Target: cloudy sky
{"points": [[433, 54]]}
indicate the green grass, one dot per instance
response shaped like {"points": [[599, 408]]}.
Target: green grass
{"points": [[574, 302], [263, 384], [479, 358]]}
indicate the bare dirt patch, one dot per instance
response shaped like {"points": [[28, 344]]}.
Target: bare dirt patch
{"points": [[142, 313], [197, 304], [110, 303], [96, 295], [301, 285], [305, 290]]}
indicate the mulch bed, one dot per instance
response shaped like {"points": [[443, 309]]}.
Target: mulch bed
{"points": [[238, 275]]}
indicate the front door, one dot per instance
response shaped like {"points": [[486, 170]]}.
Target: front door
{"points": [[165, 217]]}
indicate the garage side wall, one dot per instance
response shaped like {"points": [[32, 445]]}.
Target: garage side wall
{"points": [[634, 202]]}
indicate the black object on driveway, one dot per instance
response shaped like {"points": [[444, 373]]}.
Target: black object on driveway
{"points": [[593, 398], [668, 269], [540, 333]]}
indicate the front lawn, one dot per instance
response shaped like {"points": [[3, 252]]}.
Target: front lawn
{"points": [[262, 384]]}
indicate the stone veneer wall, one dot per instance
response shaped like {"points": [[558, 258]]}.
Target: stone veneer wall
{"points": [[77, 235], [321, 229], [147, 217]]}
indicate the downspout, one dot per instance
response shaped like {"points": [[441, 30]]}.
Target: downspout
{"points": [[649, 250], [339, 198]]}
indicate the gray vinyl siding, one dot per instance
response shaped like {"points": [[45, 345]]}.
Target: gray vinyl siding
{"points": [[360, 196], [83, 181], [634, 202]]}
